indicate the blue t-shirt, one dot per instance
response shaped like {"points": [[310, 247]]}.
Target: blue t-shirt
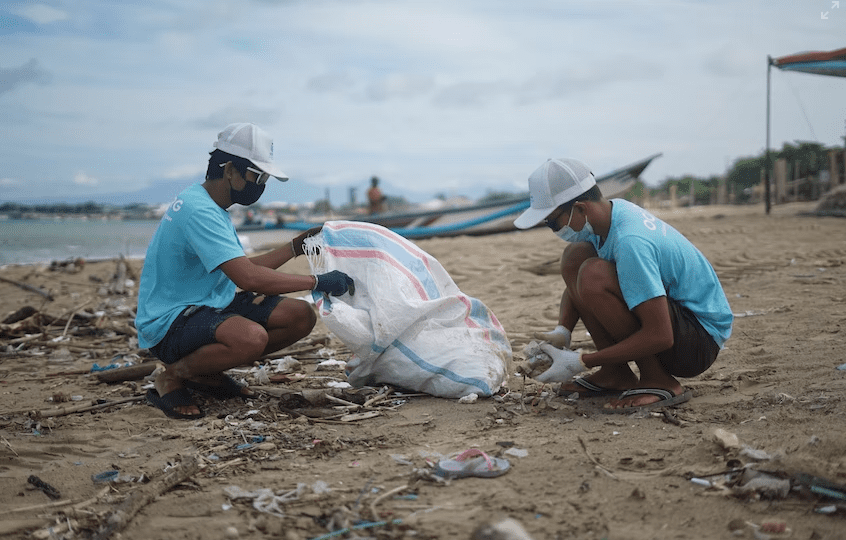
{"points": [[653, 259], [181, 268]]}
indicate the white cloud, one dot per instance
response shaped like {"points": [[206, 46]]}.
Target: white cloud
{"points": [[41, 14], [456, 96], [83, 179], [9, 182], [185, 171]]}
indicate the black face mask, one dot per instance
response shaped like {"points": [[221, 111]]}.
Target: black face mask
{"points": [[247, 196]]}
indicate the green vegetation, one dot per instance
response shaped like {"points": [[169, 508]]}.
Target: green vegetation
{"points": [[743, 176]]}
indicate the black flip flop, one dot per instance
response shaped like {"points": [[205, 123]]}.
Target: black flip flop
{"points": [[228, 389], [588, 389], [169, 402], [668, 399]]}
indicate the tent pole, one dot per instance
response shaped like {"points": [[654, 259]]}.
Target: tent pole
{"points": [[767, 164]]}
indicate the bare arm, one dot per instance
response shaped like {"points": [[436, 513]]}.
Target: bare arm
{"points": [[654, 335], [272, 259], [249, 276]]}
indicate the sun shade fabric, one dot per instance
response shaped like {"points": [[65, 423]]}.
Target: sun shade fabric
{"points": [[832, 63]]}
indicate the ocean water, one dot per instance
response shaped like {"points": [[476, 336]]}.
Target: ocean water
{"points": [[32, 241], [29, 241]]}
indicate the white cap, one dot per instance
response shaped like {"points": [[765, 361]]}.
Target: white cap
{"points": [[250, 142], [554, 183]]}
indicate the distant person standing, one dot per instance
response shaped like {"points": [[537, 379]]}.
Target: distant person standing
{"points": [[375, 197], [190, 314]]}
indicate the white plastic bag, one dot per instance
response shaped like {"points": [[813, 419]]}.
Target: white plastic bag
{"points": [[407, 324]]}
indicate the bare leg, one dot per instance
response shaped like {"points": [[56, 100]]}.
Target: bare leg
{"points": [[577, 303], [239, 341], [608, 319]]}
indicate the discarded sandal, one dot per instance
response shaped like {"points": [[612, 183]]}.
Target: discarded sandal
{"points": [[169, 402], [472, 462], [668, 399], [226, 390]]}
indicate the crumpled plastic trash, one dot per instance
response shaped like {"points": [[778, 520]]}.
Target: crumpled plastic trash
{"points": [[265, 500], [538, 361]]}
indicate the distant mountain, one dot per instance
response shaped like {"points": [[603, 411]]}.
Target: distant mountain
{"points": [[157, 193]]}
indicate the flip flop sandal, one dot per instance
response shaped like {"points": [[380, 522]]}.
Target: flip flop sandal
{"points": [[668, 399], [588, 389], [226, 390], [169, 402], [472, 462]]}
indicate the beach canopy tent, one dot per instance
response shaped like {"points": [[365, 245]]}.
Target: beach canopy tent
{"points": [[832, 63]]}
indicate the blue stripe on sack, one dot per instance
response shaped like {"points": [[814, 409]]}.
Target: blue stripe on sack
{"points": [[481, 314], [426, 366], [355, 238]]}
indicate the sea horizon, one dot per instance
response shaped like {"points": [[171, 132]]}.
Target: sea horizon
{"points": [[43, 241]]}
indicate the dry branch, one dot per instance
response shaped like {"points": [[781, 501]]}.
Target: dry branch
{"points": [[119, 518], [30, 288], [64, 411]]}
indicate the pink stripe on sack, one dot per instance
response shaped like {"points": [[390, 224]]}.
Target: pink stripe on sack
{"points": [[469, 321], [379, 254], [405, 244]]}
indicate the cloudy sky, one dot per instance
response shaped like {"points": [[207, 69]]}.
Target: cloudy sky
{"points": [[436, 96]]}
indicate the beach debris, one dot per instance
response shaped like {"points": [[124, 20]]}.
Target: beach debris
{"points": [[118, 518], [132, 372], [502, 529], [48, 490], [726, 439], [267, 501], [46, 294], [64, 411], [469, 398], [538, 361], [517, 452], [73, 265], [770, 530]]}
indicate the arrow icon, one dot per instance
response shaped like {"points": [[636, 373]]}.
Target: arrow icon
{"points": [[835, 4], [824, 15]]}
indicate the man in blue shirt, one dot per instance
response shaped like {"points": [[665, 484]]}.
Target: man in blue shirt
{"points": [[190, 314], [642, 290]]}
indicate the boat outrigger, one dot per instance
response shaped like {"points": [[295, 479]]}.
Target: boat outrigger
{"points": [[478, 219]]}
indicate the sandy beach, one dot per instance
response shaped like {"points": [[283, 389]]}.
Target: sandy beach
{"points": [[326, 465]]}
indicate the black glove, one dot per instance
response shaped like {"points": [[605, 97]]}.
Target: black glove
{"points": [[335, 283], [297, 243]]}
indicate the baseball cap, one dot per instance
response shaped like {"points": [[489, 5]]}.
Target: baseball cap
{"points": [[554, 183], [249, 141]]}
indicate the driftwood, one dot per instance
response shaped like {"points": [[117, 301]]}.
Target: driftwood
{"points": [[118, 282], [127, 373], [30, 288], [119, 518], [73, 409], [23, 313]]}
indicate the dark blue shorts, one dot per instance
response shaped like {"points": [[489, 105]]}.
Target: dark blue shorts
{"points": [[694, 350], [196, 326]]}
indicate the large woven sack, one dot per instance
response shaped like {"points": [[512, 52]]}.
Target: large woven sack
{"points": [[407, 324]]}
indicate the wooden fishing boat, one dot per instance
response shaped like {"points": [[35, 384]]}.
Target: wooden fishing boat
{"points": [[478, 219]]}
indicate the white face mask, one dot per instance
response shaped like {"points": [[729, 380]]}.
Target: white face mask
{"points": [[569, 235]]}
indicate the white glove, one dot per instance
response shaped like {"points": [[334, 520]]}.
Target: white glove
{"points": [[560, 337], [565, 364]]}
